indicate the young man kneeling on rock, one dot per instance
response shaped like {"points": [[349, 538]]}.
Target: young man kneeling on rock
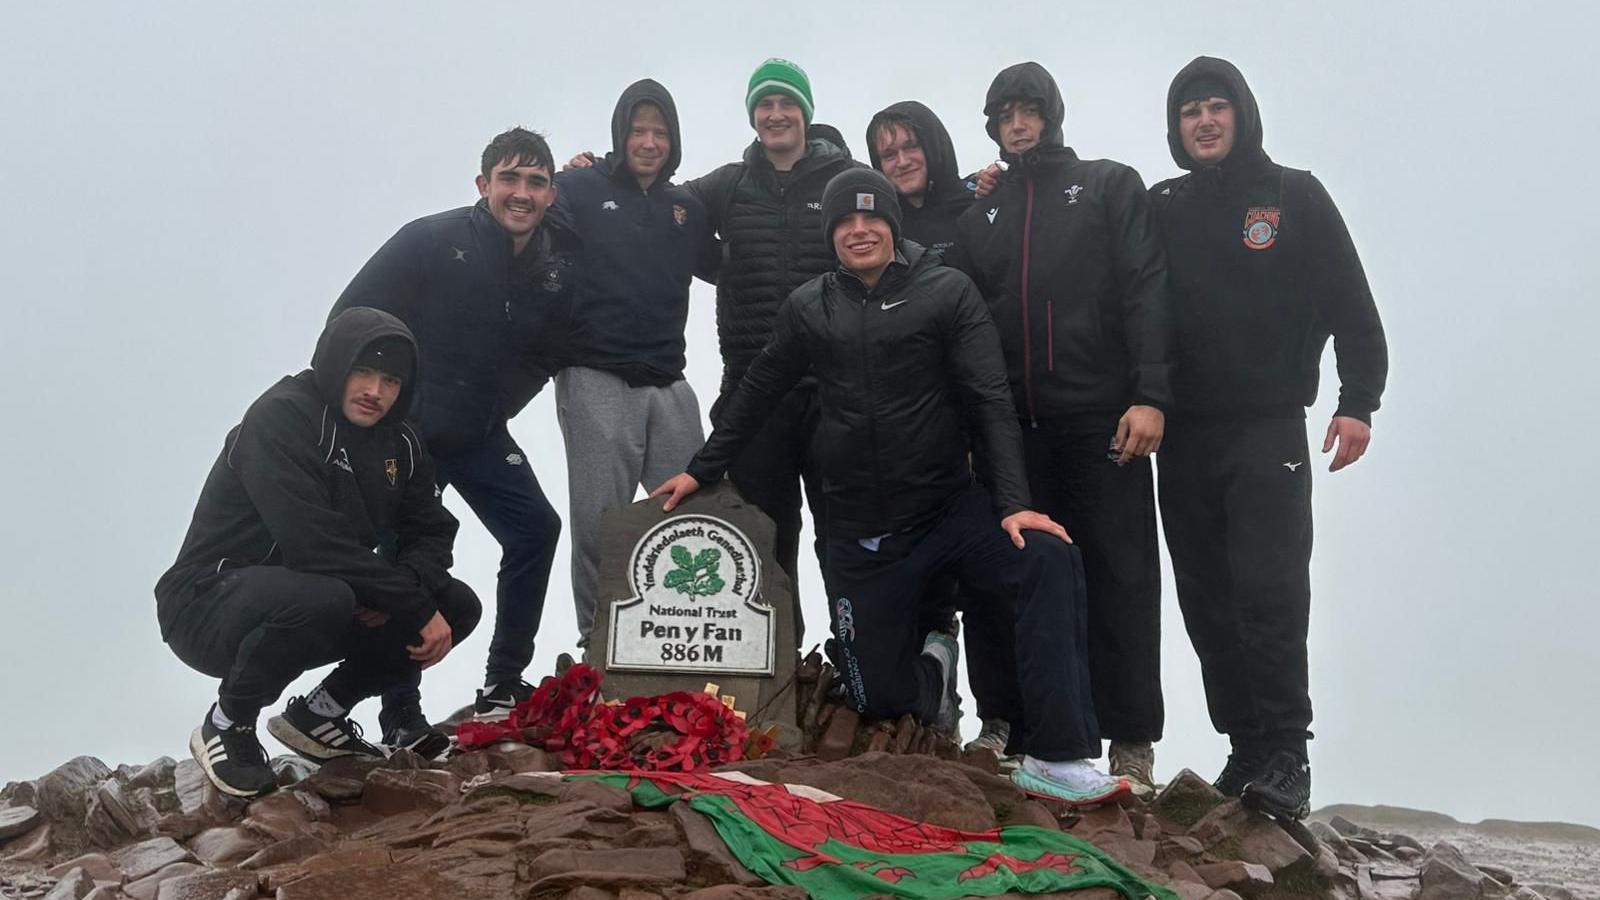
{"points": [[905, 356], [279, 573]]}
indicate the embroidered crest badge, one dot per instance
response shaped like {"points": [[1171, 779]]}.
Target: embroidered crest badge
{"points": [[391, 468], [679, 214], [1261, 227]]}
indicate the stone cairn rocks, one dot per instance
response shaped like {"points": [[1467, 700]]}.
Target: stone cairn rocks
{"points": [[480, 827]]}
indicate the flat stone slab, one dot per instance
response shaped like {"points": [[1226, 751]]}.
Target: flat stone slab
{"points": [[16, 820]]}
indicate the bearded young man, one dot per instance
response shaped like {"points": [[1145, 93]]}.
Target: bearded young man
{"points": [[278, 575]]}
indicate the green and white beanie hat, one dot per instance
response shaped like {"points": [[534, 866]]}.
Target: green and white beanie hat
{"points": [[779, 76]]}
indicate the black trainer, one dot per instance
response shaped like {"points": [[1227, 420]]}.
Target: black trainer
{"points": [[1283, 789], [1244, 764], [497, 701], [233, 759], [317, 737], [407, 728]]}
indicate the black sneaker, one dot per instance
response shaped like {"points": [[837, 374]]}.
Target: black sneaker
{"points": [[407, 728], [233, 759], [497, 701], [1283, 789], [317, 737], [1243, 765]]}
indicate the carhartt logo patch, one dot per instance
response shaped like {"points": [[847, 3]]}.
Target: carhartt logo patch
{"points": [[1261, 227], [679, 214], [866, 202], [391, 468]]}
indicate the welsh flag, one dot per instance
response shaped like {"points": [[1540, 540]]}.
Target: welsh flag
{"points": [[839, 850]]}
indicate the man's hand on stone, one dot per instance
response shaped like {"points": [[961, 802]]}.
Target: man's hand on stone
{"points": [[583, 160], [436, 642], [678, 486], [1352, 436], [371, 617], [1028, 520], [1139, 432]]}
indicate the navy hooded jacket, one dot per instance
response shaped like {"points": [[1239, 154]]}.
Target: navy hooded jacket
{"points": [[489, 324], [639, 250]]}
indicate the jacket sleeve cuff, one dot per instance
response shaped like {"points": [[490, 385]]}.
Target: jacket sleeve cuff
{"points": [[1352, 412], [703, 473]]}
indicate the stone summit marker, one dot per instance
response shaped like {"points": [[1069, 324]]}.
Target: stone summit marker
{"points": [[695, 596]]}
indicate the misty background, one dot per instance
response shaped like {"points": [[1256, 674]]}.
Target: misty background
{"points": [[185, 189]]}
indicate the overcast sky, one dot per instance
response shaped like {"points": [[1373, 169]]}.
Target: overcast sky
{"points": [[184, 190]]}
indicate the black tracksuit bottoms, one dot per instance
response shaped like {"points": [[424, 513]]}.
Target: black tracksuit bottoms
{"points": [[1236, 503], [258, 628], [875, 595], [1110, 511], [770, 471]]}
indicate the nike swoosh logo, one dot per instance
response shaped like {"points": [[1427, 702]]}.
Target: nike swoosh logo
{"points": [[888, 305]]}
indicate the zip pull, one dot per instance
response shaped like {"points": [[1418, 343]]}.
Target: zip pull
{"points": [[1034, 422]]}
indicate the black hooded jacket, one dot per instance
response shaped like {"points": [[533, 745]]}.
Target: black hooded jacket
{"points": [[1066, 255], [933, 224], [772, 243], [297, 485], [491, 324], [909, 376], [639, 251], [1263, 271]]}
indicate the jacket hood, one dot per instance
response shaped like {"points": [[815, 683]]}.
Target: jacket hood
{"points": [[1247, 116], [342, 341], [1026, 81], [645, 90], [943, 175]]}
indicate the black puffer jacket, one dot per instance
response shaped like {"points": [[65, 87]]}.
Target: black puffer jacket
{"points": [[903, 371], [933, 224], [1263, 271], [1066, 255], [297, 485], [772, 242]]}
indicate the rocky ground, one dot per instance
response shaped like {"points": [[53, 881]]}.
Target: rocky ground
{"points": [[1556, 859], [409, 829]]}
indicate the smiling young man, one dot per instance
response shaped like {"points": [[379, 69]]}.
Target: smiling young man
{"points": [[1066, 256], [909, 375], [1263, 272], [910, 146], [486, 290], [278, 575], [767, 209], [627, 415]]}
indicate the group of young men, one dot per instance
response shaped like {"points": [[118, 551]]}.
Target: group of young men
{"points": [[966, 377]]}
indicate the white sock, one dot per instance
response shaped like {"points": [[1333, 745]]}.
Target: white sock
{"points": [[323, 704], [219, 718], [1079, 773]]}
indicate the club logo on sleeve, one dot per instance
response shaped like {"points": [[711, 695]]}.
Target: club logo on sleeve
{"points": [[866, 202], [679, 214], [1261, 227], [391, 468], [1072, 194]]}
